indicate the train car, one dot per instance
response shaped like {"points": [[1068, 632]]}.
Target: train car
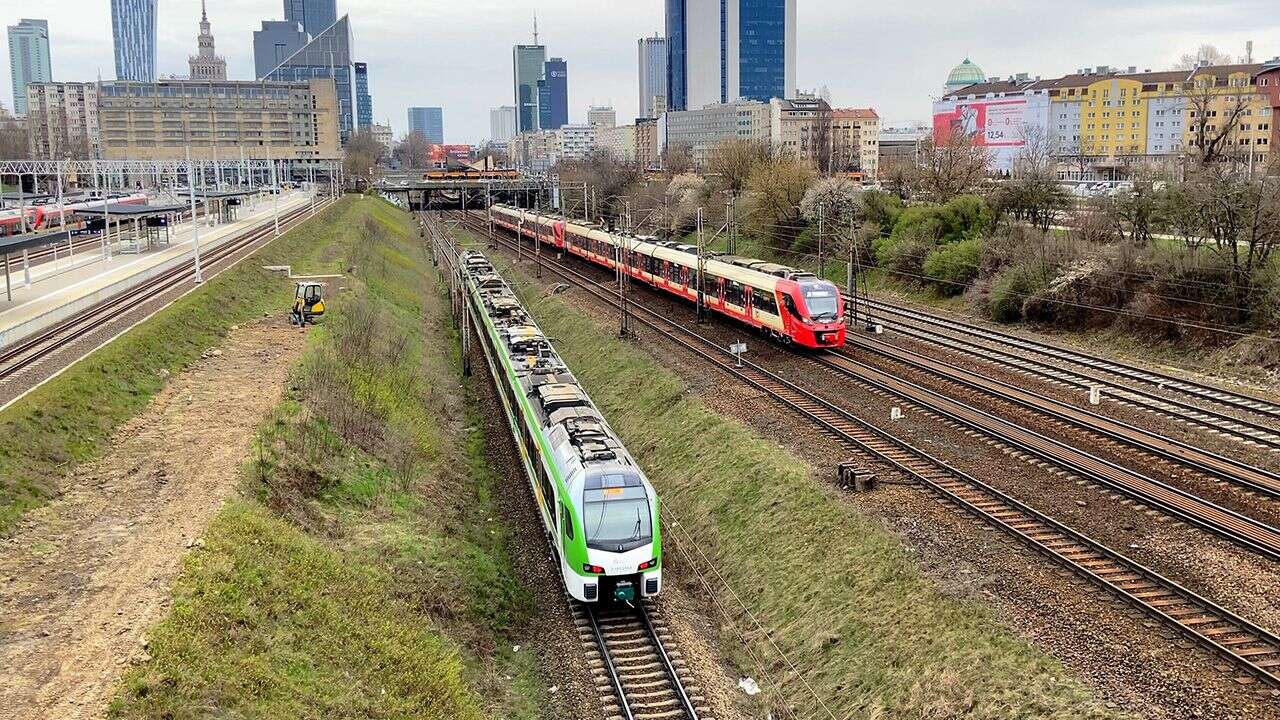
{"points": [[46, 216], [598, 509], [790, 305]]}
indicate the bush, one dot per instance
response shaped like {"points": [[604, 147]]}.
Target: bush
{"points": [[904, 254], [1013, 287], [965, 217], [881, 209], [952, 267]]}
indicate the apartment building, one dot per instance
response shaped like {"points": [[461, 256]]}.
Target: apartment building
{"points": [[1107, 118], [855, 142], [576, 140], [536, 151], [62, 121], [222, 119], [619, 142]]}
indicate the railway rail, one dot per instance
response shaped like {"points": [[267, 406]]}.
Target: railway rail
{"points": [[1237, 527], [27, 352], [1248, 646], [1241, 416], [1226, 468], [633, 665]]}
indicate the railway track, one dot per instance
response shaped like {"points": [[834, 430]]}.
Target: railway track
{"points": [[27, 352], [1249, 647], [1237, 527], [1234, 471], [1240, 416], [635, 673]]}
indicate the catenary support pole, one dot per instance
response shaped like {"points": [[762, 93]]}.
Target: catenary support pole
{"points": [[195, 225]]}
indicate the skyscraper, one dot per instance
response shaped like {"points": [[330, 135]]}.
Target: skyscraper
{"points": [[205, 64], [315, 16], [653, 74], [274, 43], [527, 62], [502, 123], [724, 50], [133, 30], [553, 94], [364, 101], [429, 121], [327, 55], [28, 59]]}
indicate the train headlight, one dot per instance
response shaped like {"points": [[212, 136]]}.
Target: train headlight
{"points": [[651, 564], [593, 569]]}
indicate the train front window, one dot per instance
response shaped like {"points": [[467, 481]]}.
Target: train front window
{"points": [[822, 301], [616, 518]]}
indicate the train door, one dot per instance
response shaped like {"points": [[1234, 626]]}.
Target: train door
{"points": [[559, 235]]}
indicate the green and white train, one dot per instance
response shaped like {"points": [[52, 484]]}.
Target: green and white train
{"points": [[599, 511]]}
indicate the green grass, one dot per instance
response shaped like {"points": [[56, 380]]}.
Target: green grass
{"points": [[840, 595], [67, 421], [362, 575]]}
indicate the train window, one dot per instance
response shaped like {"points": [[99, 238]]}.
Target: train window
{"points": [[567, 521], [763, 301], [733, 293]]}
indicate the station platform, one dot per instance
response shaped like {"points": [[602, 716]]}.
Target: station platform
{"points": [[60, 288]]}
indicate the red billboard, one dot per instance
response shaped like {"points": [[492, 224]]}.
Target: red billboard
{"points": [[992, 123], [444, 153]]}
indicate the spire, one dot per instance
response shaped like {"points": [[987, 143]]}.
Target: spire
{"points": [[204, 14]]}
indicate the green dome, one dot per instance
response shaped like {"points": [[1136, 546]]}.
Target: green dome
{"points": [[965, 74]]}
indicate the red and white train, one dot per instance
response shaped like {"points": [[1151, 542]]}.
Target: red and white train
{"points": [[790, 305], [43, 217]]}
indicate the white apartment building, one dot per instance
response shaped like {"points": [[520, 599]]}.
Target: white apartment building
{"points": [[62, 121], [620, 142], [576, 141]]}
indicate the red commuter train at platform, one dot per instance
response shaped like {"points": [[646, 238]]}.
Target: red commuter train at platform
{"points": [[790, 305], [43, 217]]}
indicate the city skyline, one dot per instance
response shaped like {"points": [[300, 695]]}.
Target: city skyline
{"points": [[901, 84]]}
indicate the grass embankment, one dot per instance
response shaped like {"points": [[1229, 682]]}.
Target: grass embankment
{"points": [[67, 421], [362, 574], [841, 596]]}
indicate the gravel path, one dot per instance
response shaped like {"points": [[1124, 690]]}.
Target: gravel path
{"points": [[85, 576]]}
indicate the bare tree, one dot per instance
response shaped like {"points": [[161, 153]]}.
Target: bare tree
{"points": [[734, 160], [1235, 215], [1033, 195], [775, 191], [1204, 55], [1215, 118], [412, 150], [361, 154], [951, 168], [611, 179]]}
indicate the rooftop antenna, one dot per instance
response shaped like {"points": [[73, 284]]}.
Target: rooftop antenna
{"points": [[535, 27]]}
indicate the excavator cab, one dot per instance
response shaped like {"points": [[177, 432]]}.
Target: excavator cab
{"points": [[308, 304]]}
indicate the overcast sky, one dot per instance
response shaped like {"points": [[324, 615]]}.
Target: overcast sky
{"points": [[892, 56]]}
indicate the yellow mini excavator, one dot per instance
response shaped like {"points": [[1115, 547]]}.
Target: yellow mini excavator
{"points": [[307, 304]]}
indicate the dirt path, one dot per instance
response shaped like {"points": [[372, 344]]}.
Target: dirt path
{"points": [[83, 578]]}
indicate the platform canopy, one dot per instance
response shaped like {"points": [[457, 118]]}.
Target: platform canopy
{"points": [[221, 194], [132, 211], [29, 241], [28, 198]]}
